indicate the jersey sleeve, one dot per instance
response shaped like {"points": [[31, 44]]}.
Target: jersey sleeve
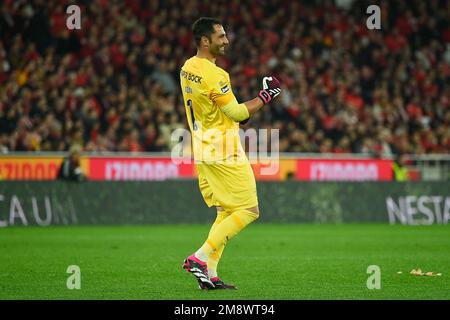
{"points": [[220, 91]]}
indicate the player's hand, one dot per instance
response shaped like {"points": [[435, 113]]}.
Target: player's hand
{"points": [[271, 89]]}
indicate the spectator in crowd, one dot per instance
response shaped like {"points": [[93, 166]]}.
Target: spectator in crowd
{"points": [[399, 167], [70, 169], [112, 86]]}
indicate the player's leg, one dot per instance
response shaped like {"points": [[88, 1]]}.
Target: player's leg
{"points": [[234, 186], [215, 256], [213, 259], [192, 264], [221, 215], [226, 230]]}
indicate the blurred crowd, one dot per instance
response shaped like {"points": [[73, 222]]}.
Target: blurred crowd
{"points": [[114, 84]]}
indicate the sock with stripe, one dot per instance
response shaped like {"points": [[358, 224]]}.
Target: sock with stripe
{"points": [[225, 231], [221, 215], [213, 259]]}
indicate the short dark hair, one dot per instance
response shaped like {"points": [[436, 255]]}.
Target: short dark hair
{"points": [[204, 27]]}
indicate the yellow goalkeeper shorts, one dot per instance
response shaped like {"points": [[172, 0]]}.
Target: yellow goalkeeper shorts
{"points": [[229, 185]]}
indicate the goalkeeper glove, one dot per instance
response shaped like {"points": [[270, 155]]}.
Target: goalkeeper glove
{"points": [[271, 89]]}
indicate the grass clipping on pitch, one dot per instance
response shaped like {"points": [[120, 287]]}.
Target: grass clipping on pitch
{"points": [[419, 272]]}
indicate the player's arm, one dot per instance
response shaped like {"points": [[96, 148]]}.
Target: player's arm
{"points": [[253, 105], [240, 112]]}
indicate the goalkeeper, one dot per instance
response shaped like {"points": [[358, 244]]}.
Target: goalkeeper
{"points": [[225, 176]]}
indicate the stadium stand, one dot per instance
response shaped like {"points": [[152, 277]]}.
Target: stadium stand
{"points": [[113, 85]]}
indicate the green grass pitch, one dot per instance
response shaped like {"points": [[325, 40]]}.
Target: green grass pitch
{"points": [[266, 261]]}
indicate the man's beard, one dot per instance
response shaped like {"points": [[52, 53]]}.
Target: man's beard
{"points": [[218, 51]]}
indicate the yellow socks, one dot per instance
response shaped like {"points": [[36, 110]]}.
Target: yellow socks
{"points": [[224, 231], [213, 259], [221, 215]]}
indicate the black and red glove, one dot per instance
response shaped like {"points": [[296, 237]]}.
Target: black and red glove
{"points": [[271, 89]]}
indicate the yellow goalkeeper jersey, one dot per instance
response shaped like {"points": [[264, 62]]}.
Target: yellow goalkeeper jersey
{"points": [[206, 87]]}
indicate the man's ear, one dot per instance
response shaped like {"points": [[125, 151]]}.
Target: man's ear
{"points": [[205, 41]]}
